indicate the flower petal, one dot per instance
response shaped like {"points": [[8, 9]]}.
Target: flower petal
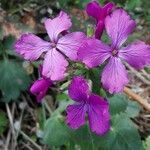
{"points": [[99, 13], [136, 54], [114, 76], [94, 9], [31, 46], [76, 115], [98, 113], [70, 43], [54, 65], [39, 88], [118, 26], [108, 8], [78, 89], [99, 29], [57, 25], [93, 52]]}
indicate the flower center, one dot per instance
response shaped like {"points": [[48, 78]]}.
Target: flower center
{"points": [[114, 52], [53, 45]]}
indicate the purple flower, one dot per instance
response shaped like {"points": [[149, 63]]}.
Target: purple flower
{"points": [[99, 13], [32, 47], [93, 52], [96, 107], [40, 87]]}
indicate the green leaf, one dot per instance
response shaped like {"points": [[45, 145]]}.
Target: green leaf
{"points": [[1, 33], [132, 109], [105, 38], [84, 138], [123, 135], [62, 107], [62, 96], [1, 48], [55, 132], [118, 103], [9, 41], [82, 3], [3, 122], [13, 79], [8, 45], [94, 75], [130, 5], [146, 143], [101, 2], [63, 3]]}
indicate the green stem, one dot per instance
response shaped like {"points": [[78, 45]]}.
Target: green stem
{"points": [[44, 113], [48, 107], [92, 141]]}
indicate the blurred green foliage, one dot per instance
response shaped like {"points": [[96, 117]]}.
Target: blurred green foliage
{"points": [[146, 143], [14, 78], [3, 122]]}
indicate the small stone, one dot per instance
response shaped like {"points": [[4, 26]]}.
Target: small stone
{"points": [[22, 105], [50, 11], [17, 125], [39, 133]]}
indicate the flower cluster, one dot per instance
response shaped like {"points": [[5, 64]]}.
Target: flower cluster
{"points": [[75, 46]]}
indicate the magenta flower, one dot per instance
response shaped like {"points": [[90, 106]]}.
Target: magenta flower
{"points": [[93, 53], [32, 47], [96, 107], [99, 13], [40, 87]]}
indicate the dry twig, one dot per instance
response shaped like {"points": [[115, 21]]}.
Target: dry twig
{"points": [[136, 73], [137, 98], [12, 126], [8, 140], [145, 74], [29, 139]]}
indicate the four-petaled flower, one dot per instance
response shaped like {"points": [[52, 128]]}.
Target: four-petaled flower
{"points": [[93, 52], [32, 47], [99, 13], [96, 107]]}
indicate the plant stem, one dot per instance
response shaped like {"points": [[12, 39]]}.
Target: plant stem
{"points": [[43, 111], [92, 141], [48, 107], [11, 124]]}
